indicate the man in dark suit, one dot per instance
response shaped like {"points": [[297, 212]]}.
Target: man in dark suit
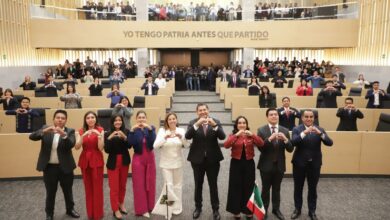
{"points": [[287, 114], [51, 87], [150, 87], [329, 94], [56, 161], [205, 155], [337, 83], [307, 161], [348, 116], [272, 163], [234, 81], [375, 96]]}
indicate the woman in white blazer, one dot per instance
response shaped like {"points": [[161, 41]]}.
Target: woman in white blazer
{"points": [[170, 139]]}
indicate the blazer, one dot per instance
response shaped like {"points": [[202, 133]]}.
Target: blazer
{"points": [[204, 147], [266, 160], [13, 104], [371, 98], [95, 90], [28, 86], [348, 121], [268, 102], [91, 156], [309, 147], [135, 139], [237, 144], [329, 98], [288, 122], [64, 149], [279, 81], [154, 88], [116, 146], [231, 84]]}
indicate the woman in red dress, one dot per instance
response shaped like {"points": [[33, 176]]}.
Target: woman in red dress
{"points": [[91, 138]]}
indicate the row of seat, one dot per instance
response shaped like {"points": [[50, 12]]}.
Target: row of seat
{"points": [[352, 153]]}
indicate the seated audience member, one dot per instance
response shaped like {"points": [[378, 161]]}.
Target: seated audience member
{"points": [[361, 82], [71, 98], [375, 96], [150, 87], [315, 80], [70, 80], [248, 73], [337, 84], [160, 81], [24, 116], [234, 81], [28, 84], [88, 78], [266, 100], [287, 114], [51, 87], [8, 100], [348, 116], [116, 77], [339, 74], [253, 86], [47, 74], [305, 74], [329, 94], [279, 80], [290, 73], [304, 89], [96, 88], [115, 95], [264, 77]]}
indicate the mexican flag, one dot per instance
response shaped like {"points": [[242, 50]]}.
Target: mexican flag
{"points": [[255, 204]]}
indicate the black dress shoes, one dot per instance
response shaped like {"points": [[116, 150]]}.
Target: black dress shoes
{"points": [[72, 213], [196, 213], [296, 214], [49, 217], [313, 216], [216, 215], [278, 214]]}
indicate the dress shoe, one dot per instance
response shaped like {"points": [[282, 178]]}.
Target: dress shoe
{"points": [[249, 217], [49, 217], [278, 214], [116, 217], [72, 213], [216, 215], [296, 214], [196, 213], [237, 217], [313, 216]]}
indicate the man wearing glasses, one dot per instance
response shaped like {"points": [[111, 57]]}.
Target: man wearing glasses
{"points": [[307, 161]]}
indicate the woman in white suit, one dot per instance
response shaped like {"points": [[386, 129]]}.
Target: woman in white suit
{"points": [[170, 139]]}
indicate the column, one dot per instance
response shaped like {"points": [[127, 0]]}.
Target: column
{"points": [[248, 10], [248, 55]]}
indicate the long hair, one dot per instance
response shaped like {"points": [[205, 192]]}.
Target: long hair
{"points": [[85, 125], [70, 85], [261, 90], [166, 126], [122, 128], [125, 97], [235, 129]]}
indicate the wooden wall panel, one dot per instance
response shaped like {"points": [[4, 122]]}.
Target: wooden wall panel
{"points": [[178, 58]]}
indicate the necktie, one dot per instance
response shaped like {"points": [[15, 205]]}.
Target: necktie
{"points": [[205, 129], [275, 145], [287, 112]]}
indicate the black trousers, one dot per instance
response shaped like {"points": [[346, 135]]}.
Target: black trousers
{"points": [[51, 176], [271, 179], [211, 169], [241, 183], [312, 173]]}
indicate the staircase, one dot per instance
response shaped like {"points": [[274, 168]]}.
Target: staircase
{"points": [[184, 105]]}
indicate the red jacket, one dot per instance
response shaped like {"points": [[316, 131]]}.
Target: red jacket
{"points": [[236, 143], [91, 156], [300, 89]]}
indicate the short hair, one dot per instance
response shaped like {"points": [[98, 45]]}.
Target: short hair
{"points": [[8, 90], [201, 104], [307, 110], [334, 75], [60, 111], [270, 109], [25, 98], [329, 81], [349, 98], [286, 98], [375, 82], [141, 112]]}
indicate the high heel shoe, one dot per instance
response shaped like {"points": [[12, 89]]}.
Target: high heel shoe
{"points": [[121, 218], [123, 211]]}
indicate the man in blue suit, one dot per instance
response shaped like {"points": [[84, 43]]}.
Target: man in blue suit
{"points": [[307, 161]]}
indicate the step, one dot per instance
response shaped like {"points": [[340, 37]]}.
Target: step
{"points": [[223, 117], [194, 93], [227, 129], [196, 99], [191, 107]]}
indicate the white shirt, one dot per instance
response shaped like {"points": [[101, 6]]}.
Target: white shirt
{"points": [[54, 146], [171, 148], [303, 135], [161, 83], [150, 90], [376, 97]]}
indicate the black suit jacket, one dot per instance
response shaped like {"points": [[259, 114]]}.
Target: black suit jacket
{"points": [[154, 88], [371, 98], [279, 81], [268, 102], [309, 147], [64, 149], [348, 121], [204, 147], [231, 84], [329, 98], [266, 157], [289, 122], [13, 104]]}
